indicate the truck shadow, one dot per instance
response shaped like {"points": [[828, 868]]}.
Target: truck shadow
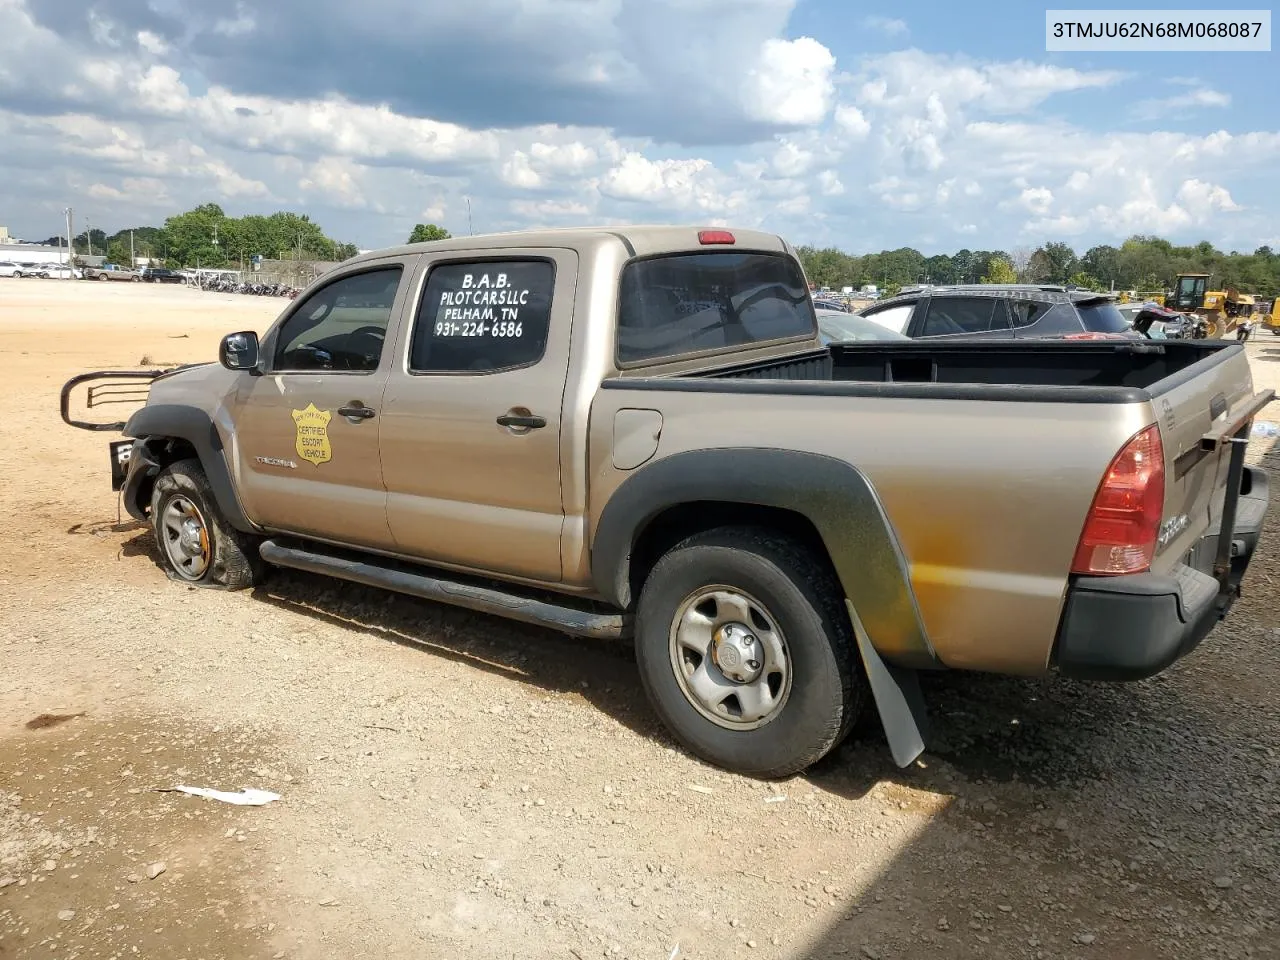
{"points": [[1045, 815], [989, 728], [982, 727]]}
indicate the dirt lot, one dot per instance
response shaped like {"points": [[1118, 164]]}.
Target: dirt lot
{"points": [[456, 786]]}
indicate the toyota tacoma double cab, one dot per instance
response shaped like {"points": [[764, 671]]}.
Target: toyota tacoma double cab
{"points": [[112, 271], [637, 432]]}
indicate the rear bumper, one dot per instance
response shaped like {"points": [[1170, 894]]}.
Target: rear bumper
{"points": [[1132, 627]]}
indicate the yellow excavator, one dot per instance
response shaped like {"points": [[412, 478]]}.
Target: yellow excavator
{"points": [[1221, 310]]}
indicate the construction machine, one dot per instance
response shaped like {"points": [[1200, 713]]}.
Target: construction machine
{"points": [[1270, 311], [1222, 310]]}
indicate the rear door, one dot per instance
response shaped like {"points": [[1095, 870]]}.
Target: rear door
{"points": [[470, 425]]}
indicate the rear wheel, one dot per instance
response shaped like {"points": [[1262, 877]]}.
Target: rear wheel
{"points": [[102, 276], [197, 545], [746, 652]]}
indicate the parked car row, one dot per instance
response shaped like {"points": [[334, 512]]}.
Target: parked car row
{"points": [[108, 271], [43, 271], [1003, 311]]}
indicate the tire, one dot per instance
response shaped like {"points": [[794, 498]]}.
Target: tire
{"points": [[184, 511], [102, 276], [817, 697]]}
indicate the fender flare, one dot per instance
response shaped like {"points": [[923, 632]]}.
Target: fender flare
{"points": [[834, 496], [183, 422]]}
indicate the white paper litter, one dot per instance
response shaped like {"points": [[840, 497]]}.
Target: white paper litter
{"points": [[245, 798]]}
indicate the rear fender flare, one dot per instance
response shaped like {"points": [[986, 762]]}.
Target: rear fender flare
{"points": [[833, 495], [183, 422]]}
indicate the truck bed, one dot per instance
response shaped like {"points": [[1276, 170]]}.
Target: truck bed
{"points": [[1050, 371]]}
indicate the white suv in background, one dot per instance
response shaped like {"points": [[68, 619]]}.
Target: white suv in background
{"points": [[9, 269]]}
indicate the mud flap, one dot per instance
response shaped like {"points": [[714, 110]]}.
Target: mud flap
{"points": [[898, 698]]}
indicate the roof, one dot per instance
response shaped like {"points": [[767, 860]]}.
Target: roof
{"points": [[641, 241], [1029, 291]]}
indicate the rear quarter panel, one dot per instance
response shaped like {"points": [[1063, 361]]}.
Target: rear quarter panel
{"points": [[986, 499]]}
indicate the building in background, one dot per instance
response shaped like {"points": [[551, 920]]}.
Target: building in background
{"points": [[29, 252]]}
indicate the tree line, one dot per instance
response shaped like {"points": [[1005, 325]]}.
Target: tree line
{"points": [[1142, 263], [207, 237]]}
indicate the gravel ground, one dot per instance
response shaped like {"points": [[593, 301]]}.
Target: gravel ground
{"points": [[455, 785]]}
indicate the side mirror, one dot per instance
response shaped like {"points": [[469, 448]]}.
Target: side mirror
{"points": [[239, 351]]}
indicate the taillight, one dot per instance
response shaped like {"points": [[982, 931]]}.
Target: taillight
{"points": [[715, 236], [1120, 531]]}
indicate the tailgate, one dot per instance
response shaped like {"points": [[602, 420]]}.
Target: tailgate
{"points": [[1196, 471]]}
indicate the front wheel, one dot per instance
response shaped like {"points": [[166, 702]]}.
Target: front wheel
{"points": [[746, 652], [197, 545]]}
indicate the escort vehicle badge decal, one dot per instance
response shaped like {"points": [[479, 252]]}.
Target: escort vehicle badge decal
{"points": [[313, 434]]}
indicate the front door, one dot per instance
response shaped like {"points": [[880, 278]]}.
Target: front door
{"points": [[306, 437], [470, 423]]}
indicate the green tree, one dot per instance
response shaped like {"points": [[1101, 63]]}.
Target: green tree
{"points": [[1059, 262], [999, 270], [1102, 262], [428, 232], [1084, 281]]}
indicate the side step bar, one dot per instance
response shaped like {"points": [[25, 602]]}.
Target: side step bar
{"points": [[404, 578]]}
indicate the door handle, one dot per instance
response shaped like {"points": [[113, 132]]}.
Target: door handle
{"points": [[356, 411], [526, 421]]}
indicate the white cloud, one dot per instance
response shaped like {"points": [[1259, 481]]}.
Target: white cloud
{"points": [[852, 122], [1200, 97], [1037, 199], [338, 180], [1204, 198], [792, 84], [517, 172], [829, 183], [888, 25], [791, 160]]}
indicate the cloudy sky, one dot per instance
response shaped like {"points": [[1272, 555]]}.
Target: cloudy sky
{"points": [[864, 126]]}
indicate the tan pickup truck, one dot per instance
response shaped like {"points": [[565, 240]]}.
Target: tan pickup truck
{"points": [[112, 271], [637, 432]]}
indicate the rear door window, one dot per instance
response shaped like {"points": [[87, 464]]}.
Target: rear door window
{"points": [[894, 318], [1101, 316], [483, 317], [1027, 312], [690, 303], [957, 315]]}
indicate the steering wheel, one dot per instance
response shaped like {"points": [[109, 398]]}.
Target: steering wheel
{"points": [[377, 334]]}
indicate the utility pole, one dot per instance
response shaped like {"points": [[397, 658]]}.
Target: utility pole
{"points": [[133, 260], [88, 236], [470, 225], [71, 250]]}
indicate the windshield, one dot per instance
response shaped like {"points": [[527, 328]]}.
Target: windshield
{"points": [[1102, 316], [688, 303]]}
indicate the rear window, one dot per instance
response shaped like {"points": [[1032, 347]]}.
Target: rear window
{"points": [[671, 306], [1102, 316]]}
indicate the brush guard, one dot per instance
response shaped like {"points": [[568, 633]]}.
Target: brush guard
{"points": [[107, 387]]}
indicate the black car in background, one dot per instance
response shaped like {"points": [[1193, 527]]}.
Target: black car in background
{"points": [[161, 275], [1001, 311]]}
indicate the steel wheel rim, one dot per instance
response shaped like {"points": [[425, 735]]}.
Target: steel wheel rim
{"points": [[185, 538], [713, 637]]}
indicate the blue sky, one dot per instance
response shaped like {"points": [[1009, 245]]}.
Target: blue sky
{"points": [[865, 126]]}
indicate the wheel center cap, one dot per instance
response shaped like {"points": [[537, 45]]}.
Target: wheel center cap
{"points": [[190, 541], [737, 653]]}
